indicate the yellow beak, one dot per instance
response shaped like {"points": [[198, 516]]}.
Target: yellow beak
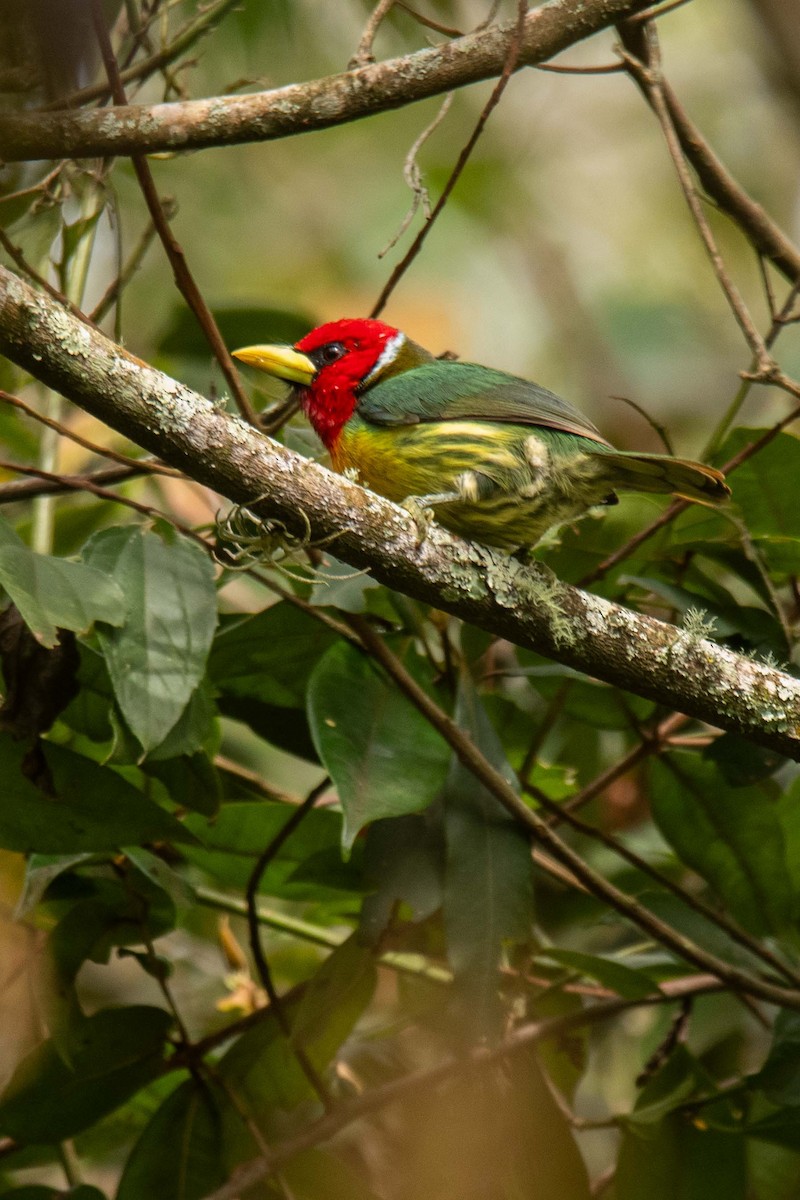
{"points": [[281, 361]]}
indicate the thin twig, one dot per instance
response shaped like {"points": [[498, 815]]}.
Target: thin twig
{"points": [[423, 1081], [730, 927], [264, 973], [508, 70], [115, 288], [363, 54], [183, 277], [149, 465], [649, 77], [413, 177], [539, 830], [18, 257]]}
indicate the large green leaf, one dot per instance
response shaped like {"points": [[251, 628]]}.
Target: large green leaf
{"points": [[54, 593], [731, 836], [488, 890], [628, 983], [91, 808], [761, 487], [262, 1068], [269, 656], [115, 1052], [235, 838], [381, 753], [260, 666], [180, 1155], [343, 984], [779, 1078], [158, 657], [403, 863]]}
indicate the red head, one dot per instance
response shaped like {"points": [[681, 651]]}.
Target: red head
{"points": [[346, 355], [330, 366]]}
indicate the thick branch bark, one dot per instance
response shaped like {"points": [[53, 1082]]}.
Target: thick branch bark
{"points": [[527, 605], [302, 107]]}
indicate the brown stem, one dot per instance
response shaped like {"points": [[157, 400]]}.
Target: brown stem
{"points": [[184, 279], [265, 975]]}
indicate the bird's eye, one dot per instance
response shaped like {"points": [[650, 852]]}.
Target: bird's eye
{"points": [[330, 353]]}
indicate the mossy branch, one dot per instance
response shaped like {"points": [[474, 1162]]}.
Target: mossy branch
{"points": [[527, 605]]}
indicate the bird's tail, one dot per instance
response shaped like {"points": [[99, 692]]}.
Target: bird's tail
{"points": [[629, 471]]}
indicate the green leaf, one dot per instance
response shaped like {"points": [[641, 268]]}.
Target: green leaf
{"points": [[261, 665], [179, 1156], [240, 325], [337, 585], [235, 838], [681, 1161], [262, 1068], [192, 781], [779, 1078], [194, 730], [54, 593], [91, 809], [742, 762], [381, 753], [40, 871], [403, 862], [628, 983], [488, 891], [731, 836], [115, 1052], [269, 656], [760, 488], [158, 657], [342, 986]]}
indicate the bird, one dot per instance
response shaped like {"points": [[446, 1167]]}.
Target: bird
{"points": [[489, 455]]}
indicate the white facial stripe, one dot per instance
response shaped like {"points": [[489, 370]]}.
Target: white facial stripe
{"points": [[388, 354]]}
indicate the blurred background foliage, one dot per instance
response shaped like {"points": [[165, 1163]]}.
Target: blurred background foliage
{"points": [[565, 254]]}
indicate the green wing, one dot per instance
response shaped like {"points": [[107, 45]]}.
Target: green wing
{"points": [[456, 391]]}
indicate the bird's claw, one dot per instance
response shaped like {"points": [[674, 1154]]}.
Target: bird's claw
{"points": [[422, 516]]}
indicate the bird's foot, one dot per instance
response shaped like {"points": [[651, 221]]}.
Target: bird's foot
{"points": [[420, 508]]}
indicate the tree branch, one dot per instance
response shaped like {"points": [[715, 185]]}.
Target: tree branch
{"points": [[302, 107], [526, 605]]}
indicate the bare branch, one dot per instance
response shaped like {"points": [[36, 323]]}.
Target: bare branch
{"points": [[302, 107], [184, 279]]}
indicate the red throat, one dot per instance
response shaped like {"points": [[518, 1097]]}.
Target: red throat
{"points": [[328, 409], [332, 398]]}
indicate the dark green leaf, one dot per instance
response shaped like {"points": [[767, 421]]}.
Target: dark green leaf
{"points": [[337, 585], [340, 990], [192, 781], [742, 762], [381, 753], [40, 871], [54, 593], [779, 1078], [115, 1052], [730, 836], [180, 1154], [239, 325], [269, 656], [159, 656], [628, 983], [760, 489], [488, 893], [403, 862], [678, 1160], [92, 808], [235, 838]]}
